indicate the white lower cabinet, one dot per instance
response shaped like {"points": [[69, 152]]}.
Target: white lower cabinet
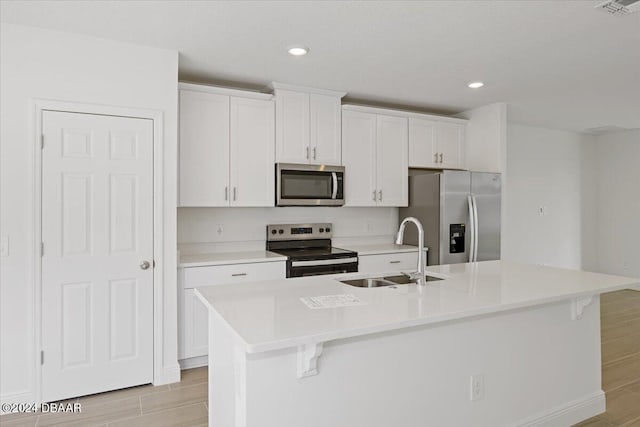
{"points": [[385, 263], [193, 321]]}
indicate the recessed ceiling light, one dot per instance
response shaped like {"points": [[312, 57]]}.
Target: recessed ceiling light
{"points": [[297, 50], [476, 85]]}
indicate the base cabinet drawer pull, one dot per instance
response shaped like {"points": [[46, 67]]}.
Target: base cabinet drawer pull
{"points": [[394, 262], [238, 274]]}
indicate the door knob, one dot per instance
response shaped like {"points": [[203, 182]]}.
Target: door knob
{"points": [[145, 265]]}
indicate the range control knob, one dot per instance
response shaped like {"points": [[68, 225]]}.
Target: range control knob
{"points": [[327, 230], [281, 231], [321, 230], [274, 231]]}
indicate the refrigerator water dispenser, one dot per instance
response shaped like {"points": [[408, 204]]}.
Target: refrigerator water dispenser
{"points": [[456, 238]]}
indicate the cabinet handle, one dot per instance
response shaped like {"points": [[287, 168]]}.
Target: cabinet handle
{"points": [[440, 158], [380, 195], [314, 153], [238, 274], [226, 193], [374, 195], [307, 152], [394, 262], [235, 193], [435, 158]]}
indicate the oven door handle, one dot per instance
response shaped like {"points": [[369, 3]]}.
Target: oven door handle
{"points": [[312, 263], [334, 177]]}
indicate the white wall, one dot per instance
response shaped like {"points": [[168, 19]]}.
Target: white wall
{"points": [[545, 168], [486, 137], [42, 64], [244, 228], [616, 162]]}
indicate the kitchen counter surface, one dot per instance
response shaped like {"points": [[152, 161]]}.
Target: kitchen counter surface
{"points": [[225, 258], [270, 315], [383, 248]]}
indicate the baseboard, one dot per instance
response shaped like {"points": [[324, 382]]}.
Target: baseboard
{"points": [[170, 374], [569, 414], [23, 397], [194, 362]]}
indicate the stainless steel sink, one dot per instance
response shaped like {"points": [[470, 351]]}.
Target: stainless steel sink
{"points": [[376, 282], [368, 283]]}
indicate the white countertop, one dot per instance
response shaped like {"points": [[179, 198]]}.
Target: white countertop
{"points": [[224, 258], [384, 248], [269, 315]]}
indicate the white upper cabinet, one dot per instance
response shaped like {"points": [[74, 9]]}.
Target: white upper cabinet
{"points": [[326, 124], [393, 164], [227, 146], [359, 157], [204, 149], [292, 127], [308, 125], [251, 152], [375, 155], [436, 142]]}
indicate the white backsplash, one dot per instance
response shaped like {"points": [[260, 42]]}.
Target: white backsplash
{"points": [[244, 229]]}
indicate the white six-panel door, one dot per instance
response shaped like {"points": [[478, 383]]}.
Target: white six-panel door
{"points": [[97, 231]]}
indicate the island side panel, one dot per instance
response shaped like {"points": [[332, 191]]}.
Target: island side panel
{"points": [[538, 366], [227, 375]]}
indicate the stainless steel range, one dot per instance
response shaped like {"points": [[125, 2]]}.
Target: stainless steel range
{"points": [[308, 249]]}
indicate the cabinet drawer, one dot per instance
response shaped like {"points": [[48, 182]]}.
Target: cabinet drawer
{"points": [[192, 277], [382, 263]]}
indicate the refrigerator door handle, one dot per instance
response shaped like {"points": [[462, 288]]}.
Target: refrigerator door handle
{"points": [[472, 226], [475, 229]]}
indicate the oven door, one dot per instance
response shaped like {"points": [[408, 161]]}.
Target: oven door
{"points": [[321, 266], [309, 185]]}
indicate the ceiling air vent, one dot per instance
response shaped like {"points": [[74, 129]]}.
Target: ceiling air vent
{"points": [[619, 7]]}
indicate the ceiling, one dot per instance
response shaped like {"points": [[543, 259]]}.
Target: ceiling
{"points": [[558, 64]]}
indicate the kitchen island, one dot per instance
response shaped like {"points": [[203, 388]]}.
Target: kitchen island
{"points": [[493, 344]]}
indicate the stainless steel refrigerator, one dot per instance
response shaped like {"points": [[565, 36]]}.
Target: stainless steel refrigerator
{"points": [[460, 212]]}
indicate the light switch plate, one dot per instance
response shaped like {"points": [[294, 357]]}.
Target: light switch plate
{"points": [[4, 245]]}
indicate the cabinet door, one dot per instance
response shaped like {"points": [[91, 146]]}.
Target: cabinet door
{"points": [[388, 263], [325, 122], [450, 139], [204, 149], [195, 323], [392, 161], [422, 144], [292, 127], [359, 158], [252, 152]]}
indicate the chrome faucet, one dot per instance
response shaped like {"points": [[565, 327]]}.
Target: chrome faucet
{"points": [[418, 276]]}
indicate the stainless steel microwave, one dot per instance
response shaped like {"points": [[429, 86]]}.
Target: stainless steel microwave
{"points": [[309, 185]]}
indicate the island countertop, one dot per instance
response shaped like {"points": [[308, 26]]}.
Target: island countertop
{"points": [[270, 315]]}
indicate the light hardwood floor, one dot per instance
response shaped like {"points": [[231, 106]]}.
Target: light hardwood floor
{"points": [[185, 403], [620, 322]]}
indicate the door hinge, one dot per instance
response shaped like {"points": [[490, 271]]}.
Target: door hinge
{"points": [[42, 141], [41, 248], [42, 357]]}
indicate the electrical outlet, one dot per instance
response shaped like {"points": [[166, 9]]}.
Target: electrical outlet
{"points": [[369, 226], [477, 387], [219, 230], [4, 245]]}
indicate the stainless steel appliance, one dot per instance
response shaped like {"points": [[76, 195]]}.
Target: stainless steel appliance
{"points": [[308, 249], [309, 185], [460, 212]]}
